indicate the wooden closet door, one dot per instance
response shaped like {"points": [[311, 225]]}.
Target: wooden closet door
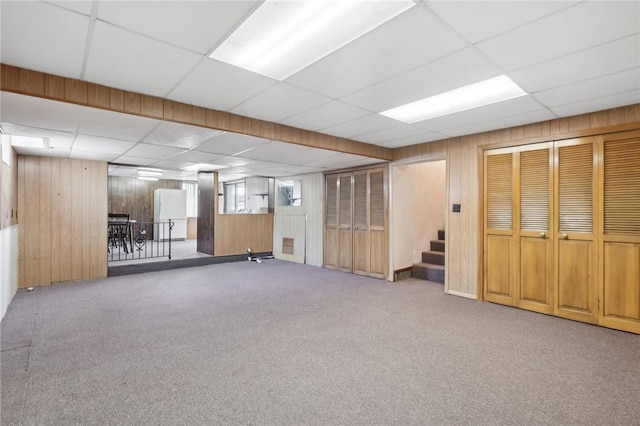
{"points": [[331, 233], [620, 210], [361, 223], [345, 220], [535, 230], [575, 249], [499, 261], [378, 257]]}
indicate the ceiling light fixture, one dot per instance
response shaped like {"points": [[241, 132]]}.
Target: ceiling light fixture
{"points": [[149, 172], [202, 167], [148, 178], [475, 95], [282, 37]]}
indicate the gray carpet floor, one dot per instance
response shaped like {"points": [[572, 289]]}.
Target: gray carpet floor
{"points": [[279, 343]]}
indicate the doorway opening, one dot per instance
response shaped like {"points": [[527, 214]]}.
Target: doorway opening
{"points": [[418, 220]]}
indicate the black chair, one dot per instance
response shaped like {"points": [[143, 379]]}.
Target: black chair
{"points": [[119, 231]]}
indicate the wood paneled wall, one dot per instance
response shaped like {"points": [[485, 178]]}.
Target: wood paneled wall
{"points": [[207, 210], [34, 83], [134, 196], [62, 206], [464, 154], [234, 233]]}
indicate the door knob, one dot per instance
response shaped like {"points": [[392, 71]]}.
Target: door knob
{"points": [[543, 235], [565, 237]]}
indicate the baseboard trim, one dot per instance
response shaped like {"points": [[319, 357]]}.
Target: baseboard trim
{"points": [[461, 294]]}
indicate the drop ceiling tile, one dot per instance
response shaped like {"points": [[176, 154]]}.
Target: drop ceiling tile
{"points": [[308, 156], [230, 143], [234, 161], [279, 102], [37, 112], [60, 140], [43, 152], [197, 157], [125, 60], [499, 110], [412, 140], [480, 20], [79, 6], [399, 45], [102, 145], [500, 123], [92, 155], [216, 85], [109, 124], [135, 161], [625, 81], [153, 151], [459, 69], [43, 37], [278, 152], [370, 123], [605, 59], [573, 29], [337, 160], [400, 131], [179, 135], [326, 115], [122, 171], [196, 26], [172, 164], [591, 105]]}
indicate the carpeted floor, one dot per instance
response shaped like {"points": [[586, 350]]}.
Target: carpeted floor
{"points": [[282, 343]]}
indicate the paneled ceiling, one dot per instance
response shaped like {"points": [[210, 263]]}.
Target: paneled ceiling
{"points": [[570, 57]]}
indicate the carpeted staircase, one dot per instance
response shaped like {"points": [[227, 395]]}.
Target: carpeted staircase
{"points": [[432, 266]]}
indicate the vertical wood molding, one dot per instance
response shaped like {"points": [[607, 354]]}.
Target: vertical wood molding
{"points": [[34, 83]]}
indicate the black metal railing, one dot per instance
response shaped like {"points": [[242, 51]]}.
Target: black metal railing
{"points": [[130, 240]]}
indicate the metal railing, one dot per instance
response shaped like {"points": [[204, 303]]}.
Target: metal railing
{"points": [[128, 240]]}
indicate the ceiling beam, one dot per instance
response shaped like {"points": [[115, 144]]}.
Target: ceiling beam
{"points": [[63, 89]]}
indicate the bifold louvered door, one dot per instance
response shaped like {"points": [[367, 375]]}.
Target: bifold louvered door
{"points": [[535, 228], [499, 279], [331, 234], [575, 247], [562, 228], [355, 222], [518, 268], [620, 257]]}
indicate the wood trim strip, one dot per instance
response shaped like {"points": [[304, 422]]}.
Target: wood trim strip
{"points": [[63, 89]]}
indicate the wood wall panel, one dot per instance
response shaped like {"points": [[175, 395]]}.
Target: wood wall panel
{"points": [[464, 237], [234, 233], [63, 220], [33, 83], [207, 207], [135, 196]]}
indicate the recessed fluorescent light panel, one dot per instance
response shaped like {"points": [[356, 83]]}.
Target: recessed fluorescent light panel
{"points": [[475, 95], [282, 37], [202, 167]]}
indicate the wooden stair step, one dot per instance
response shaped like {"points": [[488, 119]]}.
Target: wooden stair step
{"points": [[429, 272], [441, 234]]}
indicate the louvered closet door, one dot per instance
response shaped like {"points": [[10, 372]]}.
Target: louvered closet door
{"points": [[499, 262], [576, 267], [535, 290], [360, 223], [377, 224], [331, 232], [345, 236], [621, 232]]}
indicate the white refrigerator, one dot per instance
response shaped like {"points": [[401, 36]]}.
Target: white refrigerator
{"points": [[170, 204]]}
